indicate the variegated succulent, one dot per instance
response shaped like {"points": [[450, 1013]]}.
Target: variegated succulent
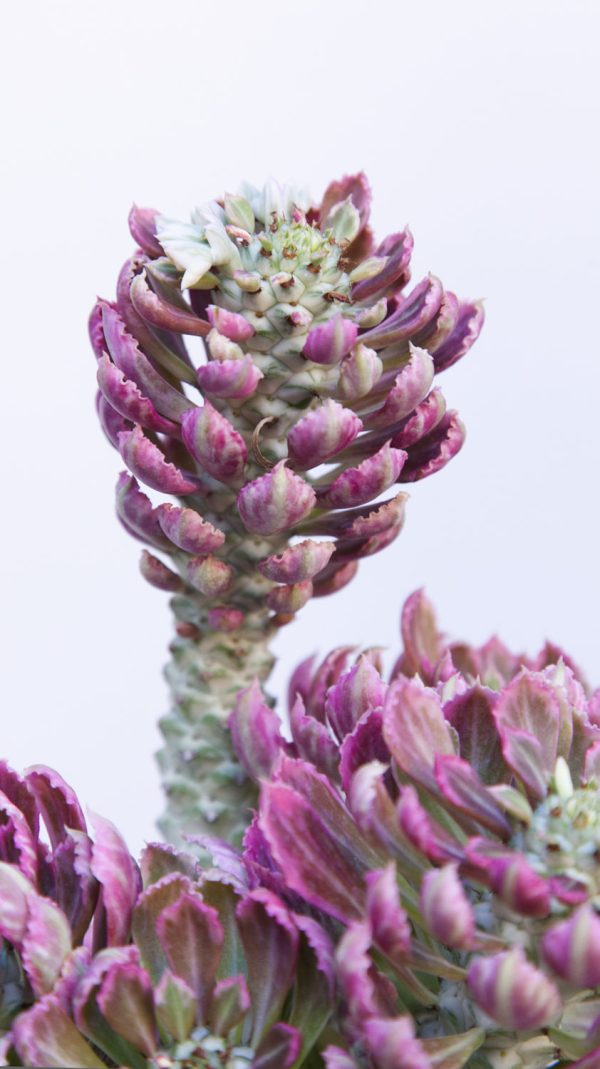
{"points": [[170, 966], [448, 822], [313, 395]]}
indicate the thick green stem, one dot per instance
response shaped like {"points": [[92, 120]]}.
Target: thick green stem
{"points": [[207, 790]]}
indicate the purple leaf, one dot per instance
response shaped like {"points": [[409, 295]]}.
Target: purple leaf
{"points": [[45, 1035], [525, 756], [510, 876], [168, 350], [186, 529], [135, 365], [413, 313], [214, 443], [411, 386], [335, 580], [375, 815], [18, 844], [136, 513], [118, 877], [313, 741], [572, 948], [399, 248], [321, 947], [392, 1042], [357, 525], [270, 940], [230, 1004], [158, 575], [15, 891], [329, 342], [423, 643], [148, 908], [415, 729], [388, 921], [365, 743], [87, 1014], [355, 973], [18, 791], [95, 331], [434, 451], [421, 421], [163, 314], [357, 486], [236, 379], [255, 732], [443, 323], [357, 691], [45, 945], [191, 936], [176, 1007], [148, 463], [56, 802], [209, 575], [126, 1000], [527, 715], [423, 832], [512, 991], [300, 841], [462, 788], [465, 334], [446, 908], [327, 802], [297, 563], [126, 399], [471, 715], [75, 887], [111, 422], [279, 1049], [327, 674], [320, 434], [142, 227], [355, 186], [289, 599], [275, 502], [233, 326], [359, 373]]}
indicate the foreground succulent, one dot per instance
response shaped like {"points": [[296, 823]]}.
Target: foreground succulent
{"points": [[313, 397], [448, 823], [171, 966]]}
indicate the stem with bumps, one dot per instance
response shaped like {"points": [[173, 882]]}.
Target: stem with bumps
{"points": [[206, 788], [314, 398]]}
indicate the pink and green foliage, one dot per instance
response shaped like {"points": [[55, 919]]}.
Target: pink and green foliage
{"points": [[169, 964], [267, 370], [447, 822], [314, 352]]}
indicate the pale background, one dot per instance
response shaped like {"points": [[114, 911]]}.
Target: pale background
{"points": [[478, 124]]}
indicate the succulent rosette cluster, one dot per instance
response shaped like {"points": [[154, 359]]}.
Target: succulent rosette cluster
{"points": [[312, 397], [163, 966], [447, 823]]}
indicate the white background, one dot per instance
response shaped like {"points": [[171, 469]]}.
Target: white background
{"points": [[478, 124]]}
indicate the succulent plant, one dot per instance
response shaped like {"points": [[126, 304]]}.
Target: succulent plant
{"points": [[448, 824], [170, 965], [313, 396]]}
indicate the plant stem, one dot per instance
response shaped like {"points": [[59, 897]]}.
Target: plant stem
{"points": [[207, 790]]}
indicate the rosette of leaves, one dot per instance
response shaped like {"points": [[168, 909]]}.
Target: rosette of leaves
{"points": [[168, 965], [312, 397], [448, 822]]}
